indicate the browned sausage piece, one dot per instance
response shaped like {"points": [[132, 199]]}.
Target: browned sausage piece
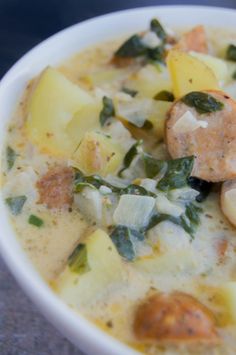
{"points": [[194, 40], [55, 187], [174, 318], [214, 144]]}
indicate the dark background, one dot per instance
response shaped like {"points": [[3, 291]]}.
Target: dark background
{"points": [[23, 24]]}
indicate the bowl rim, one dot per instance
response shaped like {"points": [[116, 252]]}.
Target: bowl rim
{"points": [[89, 337]]}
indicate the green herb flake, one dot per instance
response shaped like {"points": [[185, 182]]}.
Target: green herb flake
{"points": [[189, 220], [130, 155], [16, 204], [124, 239], [130, 92], [131, 48], [78, 260], [177, 174], [164, 95], [202, 102], [231, 52], [234, 75], [156, 27], [156, 54], [107, 111], [11, 156], [96, 181], [35, 221]]}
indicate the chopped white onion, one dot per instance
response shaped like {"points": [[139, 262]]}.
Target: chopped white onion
{"points": [[188, 123], [134, 211], [150, 40], [135, 111], [89, 202], [163, 205]]}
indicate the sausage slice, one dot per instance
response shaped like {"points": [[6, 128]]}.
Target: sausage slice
{"points": [[176, 317], [213, 143], [55, 187], [194, 40]]}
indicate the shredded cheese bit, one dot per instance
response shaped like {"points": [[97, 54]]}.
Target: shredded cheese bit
{"points": [[188, 123]]}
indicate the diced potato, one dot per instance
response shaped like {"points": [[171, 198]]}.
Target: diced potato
{"points": [[189, 74], [53, 103], [158, 117], [106, 270], [217, 65], [85, 120], [98, 154], [172, 262], [149, 80], [227, 297]]}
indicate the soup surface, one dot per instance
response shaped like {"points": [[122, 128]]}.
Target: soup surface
{"points": [[118, 173]]}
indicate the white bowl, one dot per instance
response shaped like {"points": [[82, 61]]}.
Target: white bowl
{"points": [[53, 51]]}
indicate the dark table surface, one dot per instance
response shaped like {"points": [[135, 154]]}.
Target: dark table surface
{"points": [[23, 24]]}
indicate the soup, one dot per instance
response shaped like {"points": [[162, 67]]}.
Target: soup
{"points": [[119, 176]]}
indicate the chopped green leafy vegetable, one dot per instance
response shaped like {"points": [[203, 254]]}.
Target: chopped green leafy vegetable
{"points": [[130, 92], [192, 212], [136, 190], [174, 172], [130, 155], [124, 237], [188, 221], [231, 52], [177, 173], [35, 221], [164, 95], [108, 110], [204, 187], [96, 181], [202, 102], [156, 54], [133, 47], [11, 157], [156, 27], [154, 166], [16, 204], [78, 260]]}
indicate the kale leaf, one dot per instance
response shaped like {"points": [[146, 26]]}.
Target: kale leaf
{"points": [[107, 111], [78, 260], [231, 52], [202, 102], [124, 238]]}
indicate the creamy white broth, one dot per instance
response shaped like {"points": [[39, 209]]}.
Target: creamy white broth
{"points": [[50, 246]]}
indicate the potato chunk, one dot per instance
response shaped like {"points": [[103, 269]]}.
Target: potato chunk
{"points": [[53, 103], [105, 269], [227, 297], [176, 317], [217, 65], [98, 154], [189, 74]]}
